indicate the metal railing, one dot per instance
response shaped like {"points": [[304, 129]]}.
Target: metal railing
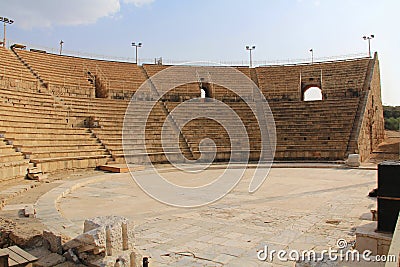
{"points": [[245, 63]]}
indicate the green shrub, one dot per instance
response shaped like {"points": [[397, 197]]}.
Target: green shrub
{"points": [[392, 124], [392, 117]]}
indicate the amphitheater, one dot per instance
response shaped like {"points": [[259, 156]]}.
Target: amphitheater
{"points": [[64, 117]]}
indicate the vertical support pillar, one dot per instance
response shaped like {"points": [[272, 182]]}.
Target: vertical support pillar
{"points": [[132, 259], [125, 245], [108, 242]]}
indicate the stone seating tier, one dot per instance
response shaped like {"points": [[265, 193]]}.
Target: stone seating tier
{"points": [[65, 72], [12, 164], [50, 127]]}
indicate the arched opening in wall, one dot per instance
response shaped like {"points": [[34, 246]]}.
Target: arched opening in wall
{"points": [[312, 94], [204, 92]]}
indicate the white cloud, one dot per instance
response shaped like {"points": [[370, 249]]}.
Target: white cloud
{"points": [[138, 3], [30, 14]]}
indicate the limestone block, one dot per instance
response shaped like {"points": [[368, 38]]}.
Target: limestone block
{"points": [[29, 211], [367, 243], [353, 160], [54, 241], [368, 239], [115, 224], [93, 239], [71, 256], [50, 260]]}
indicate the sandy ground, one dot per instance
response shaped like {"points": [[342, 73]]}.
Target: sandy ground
{"points": [[294, 208], [148, 214]]}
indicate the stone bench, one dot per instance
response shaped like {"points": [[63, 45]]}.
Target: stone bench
{"points": [[67, 153], [70, 163], [49, 147]]}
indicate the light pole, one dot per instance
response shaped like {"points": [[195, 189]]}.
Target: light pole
{"points": [[61, 46], [137, 45], [312, 56], [5, 21], [250, 49], [369, 42]]}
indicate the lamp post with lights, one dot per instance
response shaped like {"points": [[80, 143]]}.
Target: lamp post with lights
{"points": [[137, 45], [5, 21], [61, 46], [250, 49], [369, 42]]}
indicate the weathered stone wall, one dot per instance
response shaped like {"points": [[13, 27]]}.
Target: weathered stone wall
{"points": [[372, 123]]}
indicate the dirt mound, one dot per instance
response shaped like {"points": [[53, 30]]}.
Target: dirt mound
{"points": [[24, 234]]}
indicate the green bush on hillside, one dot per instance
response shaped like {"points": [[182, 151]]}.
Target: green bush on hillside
{"points": [[392, 123], [392, 117]]}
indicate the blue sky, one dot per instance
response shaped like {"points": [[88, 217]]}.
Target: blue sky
{"points": [[216, 30]]}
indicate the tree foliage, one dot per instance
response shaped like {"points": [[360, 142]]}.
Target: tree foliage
{"points": [[392, 117]]}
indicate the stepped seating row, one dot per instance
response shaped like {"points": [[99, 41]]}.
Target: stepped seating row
{"points": [[313, 130], [214, 79], [12, 163], [60, 74], [201, 128], [278, 82], [121, 78], [52, 130], [42, 133], [111, 114], [13, 73], [11, 67], [304, 130], [230, 84], [74, 76], [172, 77]]}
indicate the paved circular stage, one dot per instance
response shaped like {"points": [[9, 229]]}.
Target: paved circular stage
{"points": [[295, 208]]}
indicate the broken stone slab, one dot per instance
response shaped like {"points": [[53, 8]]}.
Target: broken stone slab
{"points": [[53, 241], [35, 173], [71, 256], [37, 176], [111, 233], [50, 260], [120, 230], [102, 221], [87, 241], [353, 160]]}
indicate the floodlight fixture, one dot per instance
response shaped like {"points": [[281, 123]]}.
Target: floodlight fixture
{"points": [[137, 45], [250, 49], [5, 21], [368, 38]]}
